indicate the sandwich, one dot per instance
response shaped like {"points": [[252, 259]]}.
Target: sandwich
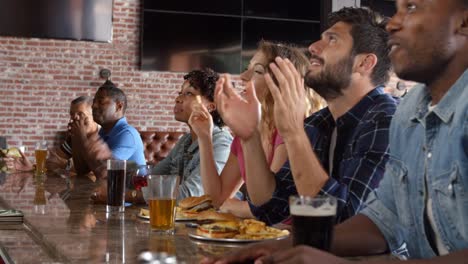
{"points": [[223, 225], [213, 216], [191, 206]]}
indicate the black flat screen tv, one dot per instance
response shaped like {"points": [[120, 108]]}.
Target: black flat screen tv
{"points": [[181, 35], [58, 19]]}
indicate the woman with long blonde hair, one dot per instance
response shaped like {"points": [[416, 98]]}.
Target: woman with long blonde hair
{"points": [[222, 187]]}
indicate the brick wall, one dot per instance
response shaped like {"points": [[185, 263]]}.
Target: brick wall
{"points": [[39, 77]]}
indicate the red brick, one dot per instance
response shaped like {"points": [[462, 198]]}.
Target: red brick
{"points": [[41, 76]]}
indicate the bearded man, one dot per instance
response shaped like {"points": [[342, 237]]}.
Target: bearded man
{"points": [[340, 150]]}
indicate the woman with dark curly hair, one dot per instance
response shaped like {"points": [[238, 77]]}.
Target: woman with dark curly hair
{"points": [[184, 158], [222, 188]]}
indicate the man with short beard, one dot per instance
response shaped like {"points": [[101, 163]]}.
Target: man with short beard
{"points": [[340, 150]]}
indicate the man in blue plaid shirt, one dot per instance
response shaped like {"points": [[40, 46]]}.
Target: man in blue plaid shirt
{"points": [[340, 150]]}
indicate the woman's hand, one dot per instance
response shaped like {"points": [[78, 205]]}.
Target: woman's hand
{"points": [[200, 120]]}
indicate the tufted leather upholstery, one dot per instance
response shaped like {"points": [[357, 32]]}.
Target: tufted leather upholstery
{"points": [[158, 144]]}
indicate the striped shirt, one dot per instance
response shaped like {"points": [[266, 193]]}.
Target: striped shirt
{"points": [[358, 162]]}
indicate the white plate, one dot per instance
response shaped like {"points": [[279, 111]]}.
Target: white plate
{"points": [[146, 217], [192, 234]]}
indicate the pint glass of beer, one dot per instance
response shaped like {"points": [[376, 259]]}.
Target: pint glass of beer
{"points": [[41, 156], [116, 171], [313, 219], [162, 200]]}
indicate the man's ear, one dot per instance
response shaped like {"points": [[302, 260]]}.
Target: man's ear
{"points": [[119, 106], [463, 27], [365, 63]]}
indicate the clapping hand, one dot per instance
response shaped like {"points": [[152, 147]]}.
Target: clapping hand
{"points": [[242, 115], [290, 105]]}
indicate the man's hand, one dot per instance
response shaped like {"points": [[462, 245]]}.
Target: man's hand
{"points": [[55, 163], [290, 105], [242, 115], [79, 126], [250, 253], [301, 254], [201, 121], [19, 181]]}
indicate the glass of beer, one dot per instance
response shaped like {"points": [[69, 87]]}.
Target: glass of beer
{"points": [[41, 156], [116, 170], [162, 200], [313, 219]]}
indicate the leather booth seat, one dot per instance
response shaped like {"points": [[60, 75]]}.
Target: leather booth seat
{"points": [[158, 144]]}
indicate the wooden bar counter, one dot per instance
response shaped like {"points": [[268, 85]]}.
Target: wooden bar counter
{"points": [[61, 224]]}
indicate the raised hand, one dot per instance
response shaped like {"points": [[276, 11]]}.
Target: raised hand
{"points": [[241, 114], [200, 120], [79, 126], [289, 96]]}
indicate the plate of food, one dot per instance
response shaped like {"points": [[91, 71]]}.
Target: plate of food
{"points": [[228, 228]]}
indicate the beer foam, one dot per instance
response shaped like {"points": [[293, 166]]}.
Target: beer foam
{"points": [[307, 210]]}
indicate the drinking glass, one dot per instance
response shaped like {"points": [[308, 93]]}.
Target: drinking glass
{"points": [[162, 200], [313, 219], [41, 156], [116, 170]]}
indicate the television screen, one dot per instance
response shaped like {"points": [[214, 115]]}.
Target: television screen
{"points": [[180, 35], [291, 9], [62, 19], [194, 41], [230, 7]]}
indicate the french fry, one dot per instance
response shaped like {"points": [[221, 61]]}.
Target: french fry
{"points": [[198, 99]]}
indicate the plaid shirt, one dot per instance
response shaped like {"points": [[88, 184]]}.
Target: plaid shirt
{"points": [[359, 158]]}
